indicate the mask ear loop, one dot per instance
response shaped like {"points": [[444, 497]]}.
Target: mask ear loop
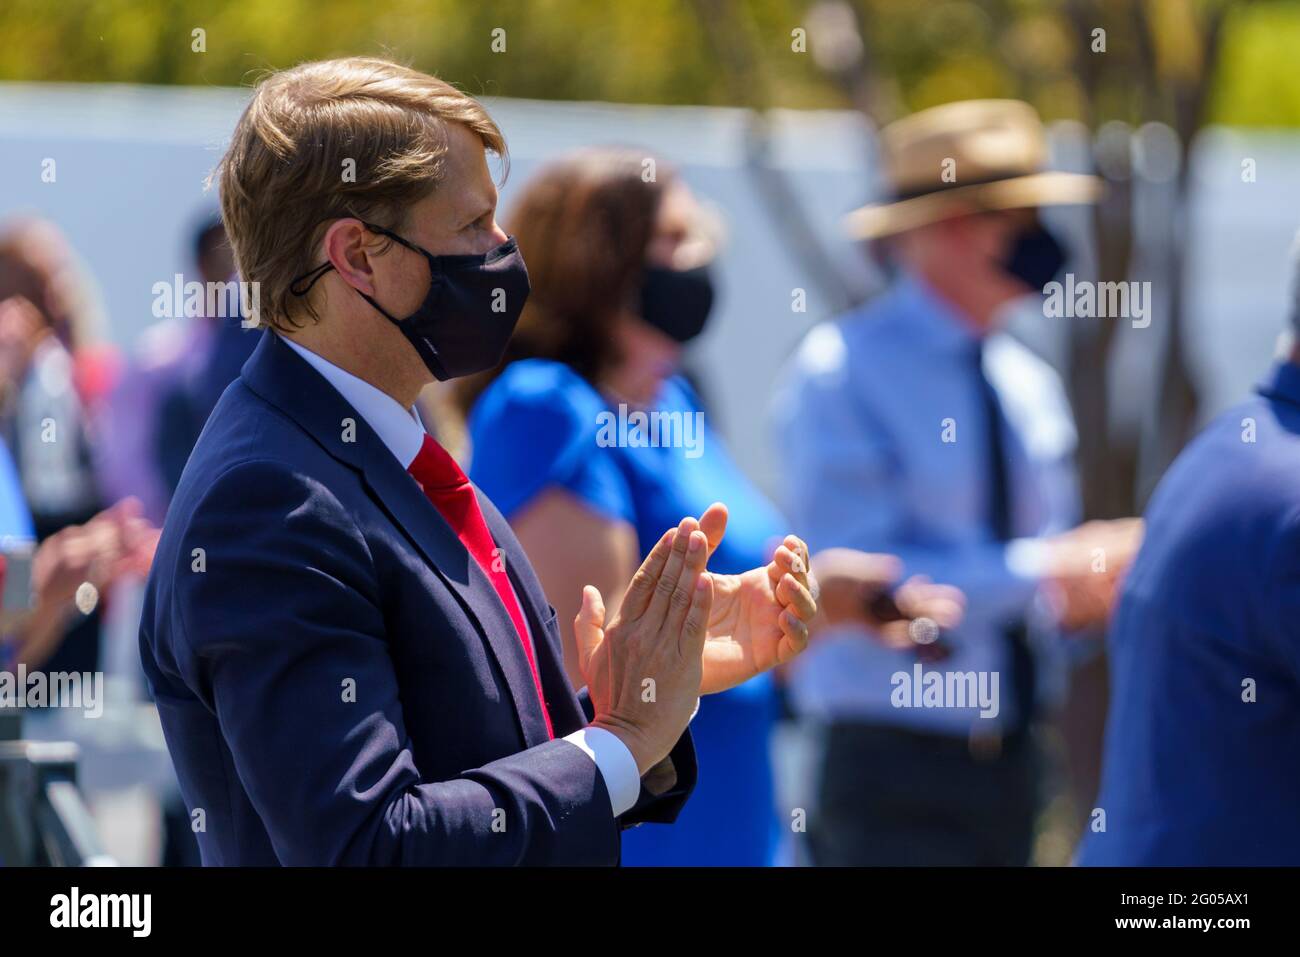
{"points": [[297, 289], [389, 234], [428, 257]]}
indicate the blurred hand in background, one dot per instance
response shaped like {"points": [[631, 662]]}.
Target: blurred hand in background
{"points": [[853, 581], [21, 328], [115, 544], [1085, 568]]}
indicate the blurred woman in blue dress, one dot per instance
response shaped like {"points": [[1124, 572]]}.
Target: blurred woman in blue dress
{"points": [[592, 443]]}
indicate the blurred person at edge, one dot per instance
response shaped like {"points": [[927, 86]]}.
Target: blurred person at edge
{"points": [[180, 367], [52, 377], [115, 543], [927, 432], [621, 281], [1203, 731], [185, 407]]}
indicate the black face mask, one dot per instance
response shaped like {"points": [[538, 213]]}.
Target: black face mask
{"points": [[677, 302], [1036, 257], [469, 313]]}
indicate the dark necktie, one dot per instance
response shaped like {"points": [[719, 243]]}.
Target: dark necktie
{"points": [[449, 490], [1020, 659]]}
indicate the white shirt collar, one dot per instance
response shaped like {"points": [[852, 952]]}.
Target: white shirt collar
{"points": [[399, 429]]}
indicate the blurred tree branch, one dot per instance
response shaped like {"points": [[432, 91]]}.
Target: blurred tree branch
{"points": [[730, 33]]}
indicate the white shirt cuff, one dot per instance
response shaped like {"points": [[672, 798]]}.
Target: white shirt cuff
{"points": [[615, 763], [1027, 558]]}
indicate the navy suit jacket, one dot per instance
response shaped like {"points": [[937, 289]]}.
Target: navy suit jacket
{"points": [[1202, 760], [337, 680]]}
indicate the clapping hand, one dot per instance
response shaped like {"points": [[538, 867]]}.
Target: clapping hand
{"points": [[760, 617]]}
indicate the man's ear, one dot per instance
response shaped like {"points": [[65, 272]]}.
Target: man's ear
{"points": [[349, 247]]}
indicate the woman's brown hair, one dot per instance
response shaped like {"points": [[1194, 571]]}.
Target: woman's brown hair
{"points": [[583, 223]]}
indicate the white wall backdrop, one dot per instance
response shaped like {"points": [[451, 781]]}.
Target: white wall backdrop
{"points": [[131, 164]]}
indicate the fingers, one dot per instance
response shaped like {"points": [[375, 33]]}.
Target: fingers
{"points": [[120, 511], [947, 606], [679, 605], [783, 562], [666, 584], [95, 546], [852, 563], [791, 557], [874, 570], [697, 619], [713, 523], [800, 550], [642, 589], [896, 635], [796, 598], [131, 507], [143, 550], [919, 598], [794, 637], [589, 626]]}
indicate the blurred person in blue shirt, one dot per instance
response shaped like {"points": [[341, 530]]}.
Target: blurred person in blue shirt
{"points": [[924, 431], [1203, 733], [590, 441]]}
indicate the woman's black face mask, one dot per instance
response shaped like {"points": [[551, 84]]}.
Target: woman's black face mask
{"points": [[469, 313], [677, 302]]}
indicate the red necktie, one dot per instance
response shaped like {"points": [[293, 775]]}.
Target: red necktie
{"points": [[449, 490]]}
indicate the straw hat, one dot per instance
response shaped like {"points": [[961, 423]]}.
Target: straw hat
{"points": [[986, 154]]}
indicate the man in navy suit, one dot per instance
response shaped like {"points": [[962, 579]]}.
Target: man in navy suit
{"points": [[1202, 759], [352, 659]]}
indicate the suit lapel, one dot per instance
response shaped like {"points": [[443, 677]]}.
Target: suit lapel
{"points": [[282, 378], [561, 702], [442, 549]]}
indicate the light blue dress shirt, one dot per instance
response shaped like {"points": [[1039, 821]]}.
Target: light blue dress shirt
{"points": [[882, 418]]}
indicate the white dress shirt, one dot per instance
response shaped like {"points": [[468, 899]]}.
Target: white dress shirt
{"points": [[400, 430]]}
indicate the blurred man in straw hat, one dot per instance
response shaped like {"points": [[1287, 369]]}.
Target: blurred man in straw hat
{"points": [[933, 436]]}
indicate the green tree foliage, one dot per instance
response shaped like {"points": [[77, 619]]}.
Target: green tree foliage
{"points": [[648, 51]]}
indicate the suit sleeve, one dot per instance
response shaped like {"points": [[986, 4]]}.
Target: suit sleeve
{"points": [[659, 804], [1282, 591], [284, 639]]}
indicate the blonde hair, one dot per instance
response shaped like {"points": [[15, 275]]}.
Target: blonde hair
{"points": [[358, 136]]}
